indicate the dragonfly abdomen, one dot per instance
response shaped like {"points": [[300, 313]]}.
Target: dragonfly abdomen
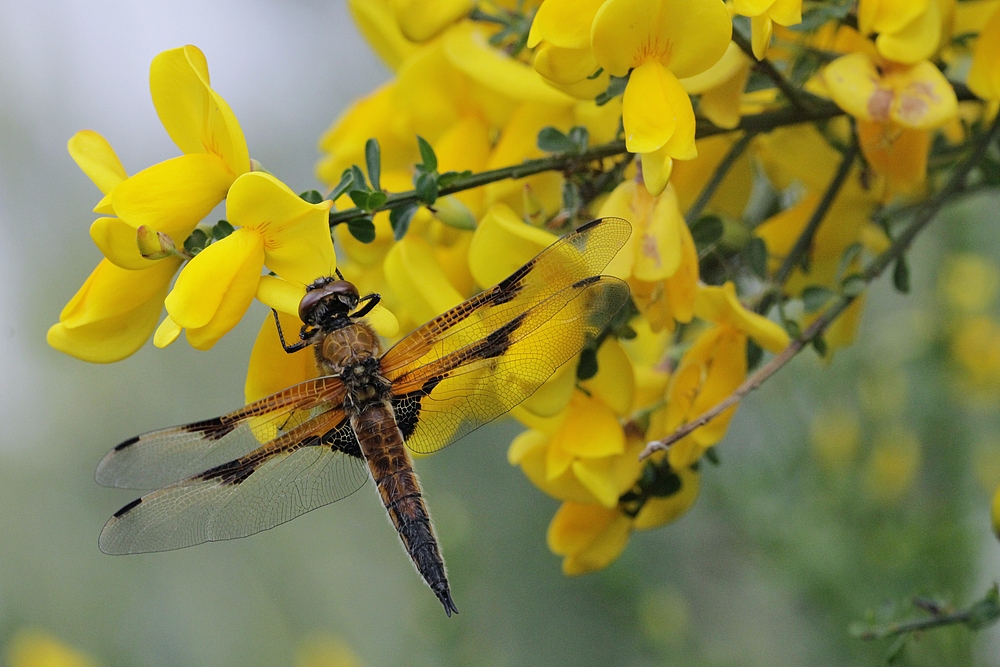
{"points": [[382, 445]]}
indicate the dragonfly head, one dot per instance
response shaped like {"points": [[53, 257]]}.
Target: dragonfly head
{"points": [[326, 300]]}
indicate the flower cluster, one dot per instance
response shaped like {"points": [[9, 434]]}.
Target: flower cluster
{"points": [[760, 152]]}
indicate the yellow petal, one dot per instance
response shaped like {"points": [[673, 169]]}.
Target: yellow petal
{"points": [[656, 168], [565, 66], [468, 50], [216, 276], [853, 82], [417, 279], [686, 36], [614, 383], [113, 313], [721, 305], [590, 431], [554, 395], [383, 322], [529, 451], [502, 243], [166, 333], [194, 115], [280, 294], [420, 20], [917, 41], [271, 369], [173, 196], [564, 23], [95, 157], [35, 648], [924, 98], [760, 35], [659, 511], [647, 114], [984, 75], [296, 234], [377, 23], [590, 536], [727, 368], [658, 239], [117, 240]]}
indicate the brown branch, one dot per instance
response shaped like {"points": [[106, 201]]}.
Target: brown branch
{"points": [[900, 245]]}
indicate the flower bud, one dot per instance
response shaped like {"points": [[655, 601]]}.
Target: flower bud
{"points": [[153, 244]]}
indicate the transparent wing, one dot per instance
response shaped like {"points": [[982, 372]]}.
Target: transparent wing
{"points": [[441, 401], [311, 465], [168, 455], [579, 255]]}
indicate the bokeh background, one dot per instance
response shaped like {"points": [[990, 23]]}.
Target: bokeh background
{"points": [[843, 489]]}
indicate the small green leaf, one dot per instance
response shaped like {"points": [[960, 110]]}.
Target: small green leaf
{"points": [[552, 140], [571, 200], [588, 364], [311, 196], [579, 137], [399, 219], [793, 329], [221, 230], [712, 454], [665, 482], [376, 200], [430, 161], [359, 179], [426, 186], [853, 285], [707, 230], [754, 354], [599, 72], [616, 86], [815, 297], [373, 159], [363, 229], [360, 198], [901, 275], [819, 344], [755, 253], [848, 256], [346, 180], [196, 241]]}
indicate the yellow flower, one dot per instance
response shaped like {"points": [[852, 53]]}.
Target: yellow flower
{"points": [[589, 537], [420, 20], [35, 648], [660, 261], [326, 651], [893, 466], [712, 368], [117, 308], [984, 74], [763, 14], [655, 43], [277, 229], [560, 35], [173, 196], [908, 30], [721, 86], [376, 21]]}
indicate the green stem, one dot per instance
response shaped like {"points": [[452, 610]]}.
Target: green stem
{"points": [[900, 245], [718, 176], [767, 68], [799, 253], [762, 122]]}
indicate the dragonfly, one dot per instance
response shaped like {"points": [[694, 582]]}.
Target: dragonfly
{"points": [[319, 441]]}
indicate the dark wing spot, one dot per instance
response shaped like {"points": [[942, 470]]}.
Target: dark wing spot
{"points": [[407, 406], [508, 288], [213, 429], [498, 342], [128, 507], [342, 439], [585, 282], [233, 472], [123, 445]]}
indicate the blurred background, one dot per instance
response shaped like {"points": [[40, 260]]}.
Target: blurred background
{"points": [[843, 489]]}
